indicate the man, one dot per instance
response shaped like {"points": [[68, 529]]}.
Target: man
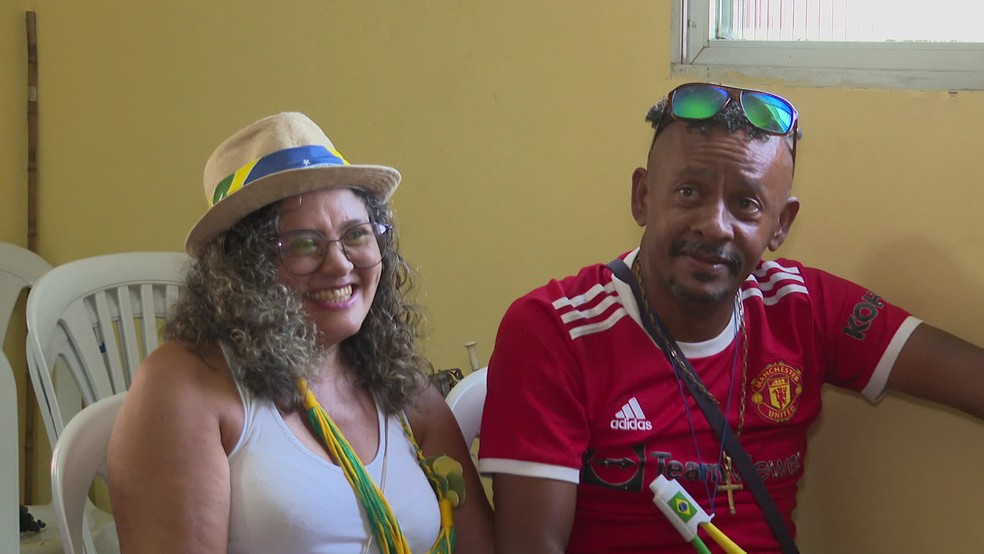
{"points": [[584, 410]]}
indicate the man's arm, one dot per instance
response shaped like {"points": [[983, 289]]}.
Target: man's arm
{"points": [[937, 366], [534, 427], [532, 515]]}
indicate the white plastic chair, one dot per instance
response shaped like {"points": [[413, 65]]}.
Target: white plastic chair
{"points": [[9, 494], [19, 269], [80, 456], [467, 401], [97, 318], [100, 317]]}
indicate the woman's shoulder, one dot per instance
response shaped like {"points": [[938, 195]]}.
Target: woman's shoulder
{"points": [[182, 360], [429, 415], [186, 385], [189, 373]]}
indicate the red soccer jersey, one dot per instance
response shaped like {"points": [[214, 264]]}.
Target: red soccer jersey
{"points": [[577, 391]]}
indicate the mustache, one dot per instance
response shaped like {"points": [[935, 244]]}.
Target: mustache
{"points": [[718, 254]]}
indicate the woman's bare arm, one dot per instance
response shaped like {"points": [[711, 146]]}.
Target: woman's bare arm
{"points": [[167, 462]]}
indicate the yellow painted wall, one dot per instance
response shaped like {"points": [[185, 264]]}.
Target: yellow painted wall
{"points": [[13, 131], [13, 180], [517, 125]]}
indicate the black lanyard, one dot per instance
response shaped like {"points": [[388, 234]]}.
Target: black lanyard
{"points": [[710, 409]]}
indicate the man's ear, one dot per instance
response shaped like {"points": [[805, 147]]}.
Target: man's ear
{"points": [[786, 218], [640, 193]]}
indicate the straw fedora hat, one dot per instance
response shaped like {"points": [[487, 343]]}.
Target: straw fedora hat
{"points": [[277, 157]]}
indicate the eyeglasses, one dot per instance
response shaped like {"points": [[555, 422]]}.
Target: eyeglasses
{"points": [[766, 112], [303, 251]]}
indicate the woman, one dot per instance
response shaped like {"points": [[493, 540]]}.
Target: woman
{"points": [[285, 409]]}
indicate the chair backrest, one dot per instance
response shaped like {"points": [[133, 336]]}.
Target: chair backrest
{"points": [[99, 317], [467, 400], [19, 269], [79, 456]]}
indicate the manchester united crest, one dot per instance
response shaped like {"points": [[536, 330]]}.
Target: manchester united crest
{"points": [[776, 392]]}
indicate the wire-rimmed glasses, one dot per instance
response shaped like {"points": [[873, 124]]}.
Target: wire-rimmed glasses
{"points": [[303, 251]]}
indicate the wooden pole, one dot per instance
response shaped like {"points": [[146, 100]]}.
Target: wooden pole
{"points": [[32, 231], [32, 132]]}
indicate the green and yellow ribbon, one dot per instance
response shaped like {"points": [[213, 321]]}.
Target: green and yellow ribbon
{"points": [[446, 477], [443, 473]]}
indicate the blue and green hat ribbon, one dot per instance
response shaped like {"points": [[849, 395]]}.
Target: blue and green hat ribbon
{"points": [[299, 157]]}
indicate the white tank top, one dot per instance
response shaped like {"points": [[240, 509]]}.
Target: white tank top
{"points": [[287, 499]]}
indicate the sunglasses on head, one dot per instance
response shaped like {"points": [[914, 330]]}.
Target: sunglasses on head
{"points": [[766, 112]]}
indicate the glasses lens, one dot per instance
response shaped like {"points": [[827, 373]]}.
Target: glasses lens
{"points": [[302, 251], [768, 112], [698, 101], [361, 246]]}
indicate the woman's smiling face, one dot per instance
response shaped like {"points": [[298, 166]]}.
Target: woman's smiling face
{"points": [[337, 295]]}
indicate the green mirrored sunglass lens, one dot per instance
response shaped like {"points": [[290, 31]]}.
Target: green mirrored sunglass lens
{"points": [[767, 112], [698, 102]]}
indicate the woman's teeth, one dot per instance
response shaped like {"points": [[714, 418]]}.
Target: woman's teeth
{"points": [[332, 295]]}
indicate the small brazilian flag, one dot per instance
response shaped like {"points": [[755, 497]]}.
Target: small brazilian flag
{"points": [[682, 507]]}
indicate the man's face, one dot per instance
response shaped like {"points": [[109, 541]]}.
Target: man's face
{"points": [[711, 205]]}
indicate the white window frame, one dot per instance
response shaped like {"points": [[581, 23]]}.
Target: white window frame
{"points": [[920, 66]]}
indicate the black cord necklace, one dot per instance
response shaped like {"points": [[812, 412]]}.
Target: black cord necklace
{"points": [[682, 370]]}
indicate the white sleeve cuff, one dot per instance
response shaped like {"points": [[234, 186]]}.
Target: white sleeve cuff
{"points": [[487, 466], [875, 389]]}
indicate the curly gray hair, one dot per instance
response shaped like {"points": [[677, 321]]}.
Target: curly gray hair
{"points": [[232, 297]]}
